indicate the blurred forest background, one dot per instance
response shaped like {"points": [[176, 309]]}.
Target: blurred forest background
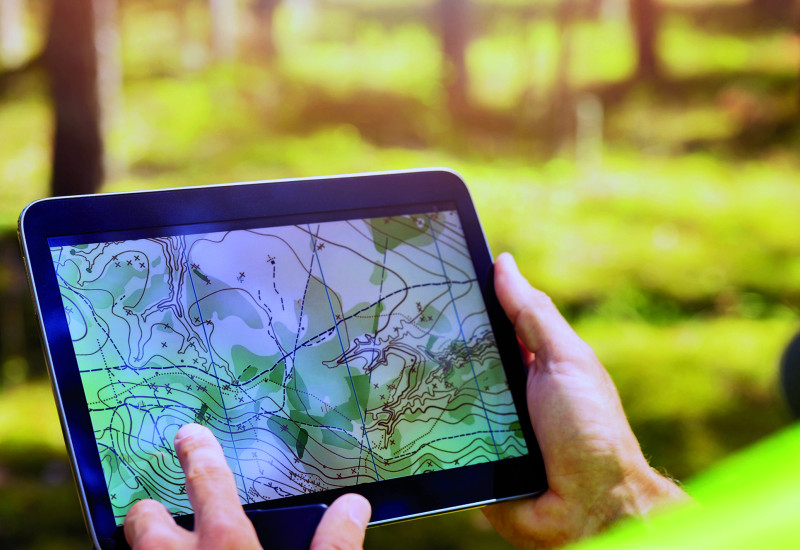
{"points": [[639, 157]]}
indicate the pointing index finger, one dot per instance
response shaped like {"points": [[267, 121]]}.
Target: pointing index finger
{"points": [[209, 481]]}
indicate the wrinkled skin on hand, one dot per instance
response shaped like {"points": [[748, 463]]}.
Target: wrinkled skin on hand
{"points": [[596, 471]]}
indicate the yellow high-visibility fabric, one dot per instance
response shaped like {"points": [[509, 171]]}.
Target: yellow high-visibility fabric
{"points": [[750, 500]]}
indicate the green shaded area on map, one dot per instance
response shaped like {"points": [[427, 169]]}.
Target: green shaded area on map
{"points": [[320, 356]]}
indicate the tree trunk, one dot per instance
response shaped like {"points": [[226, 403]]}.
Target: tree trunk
{"points": [[264, 33], [773, 12], [13, 298], [796, 21], [558, 121], [454, 22], [224, 28], [12, 36], [645, 21], [109, 74], [72, 62]]}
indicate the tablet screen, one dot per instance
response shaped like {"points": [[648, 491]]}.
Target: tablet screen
{"points": [[321, 355]]}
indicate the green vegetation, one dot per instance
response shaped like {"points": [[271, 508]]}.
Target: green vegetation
{"points": [[670, 241]]}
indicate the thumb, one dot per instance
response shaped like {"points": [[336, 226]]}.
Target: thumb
{"points": [[539, 325], [344, 524], [148, 524]]}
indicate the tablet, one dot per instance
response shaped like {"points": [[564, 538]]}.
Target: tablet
{"points": [[336, 334]]}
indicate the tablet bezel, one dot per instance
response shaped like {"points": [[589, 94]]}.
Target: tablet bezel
{"points": [[207, 207]]}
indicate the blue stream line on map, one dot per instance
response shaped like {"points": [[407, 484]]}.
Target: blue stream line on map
{"points": [[89, 305], [463, 338], [58, 260], [341, 345], [219, 380], [310, 340], [375, 336], [138, 370], [306, 342], [213, 363]]}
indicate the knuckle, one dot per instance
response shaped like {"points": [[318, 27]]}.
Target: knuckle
{"points": [[527, 322], [204, 471], [525, 313], [191, 442]]}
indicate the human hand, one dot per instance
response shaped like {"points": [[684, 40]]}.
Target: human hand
{"points": [[596, 471], [220, 521]]}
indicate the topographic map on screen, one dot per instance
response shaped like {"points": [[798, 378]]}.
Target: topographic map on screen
{"points": [[321, 356]]}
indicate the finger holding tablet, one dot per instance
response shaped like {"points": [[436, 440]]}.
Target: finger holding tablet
{"points": [[587, 462], [596, 472], [343, 525], [348, 325], [220, 521]]}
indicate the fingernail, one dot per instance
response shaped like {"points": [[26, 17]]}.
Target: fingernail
{"points": [[359, 510], [188, 429]]}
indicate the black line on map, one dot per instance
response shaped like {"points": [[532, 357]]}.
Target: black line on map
{"points": [[344, 352], [463, 338], [213, 363]]}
